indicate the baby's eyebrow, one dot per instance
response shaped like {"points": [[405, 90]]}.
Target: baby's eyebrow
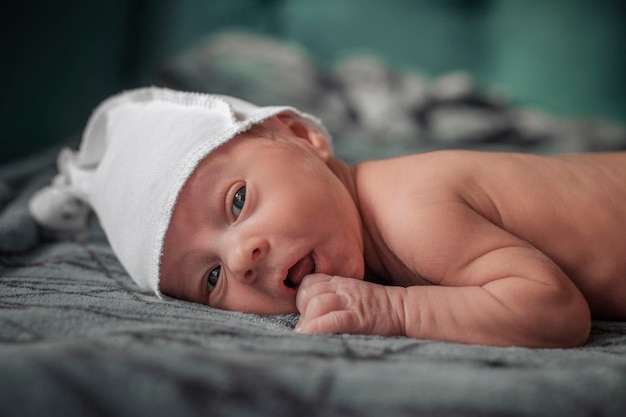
{"points": [[190, 277], [211, 168]]}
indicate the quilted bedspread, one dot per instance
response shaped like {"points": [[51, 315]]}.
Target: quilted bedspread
{"points": [[78, 338]]}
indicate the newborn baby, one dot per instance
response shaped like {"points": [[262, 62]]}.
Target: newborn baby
{"points": [[214, 200]]}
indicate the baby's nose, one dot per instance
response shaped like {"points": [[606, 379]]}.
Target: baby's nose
{"points": [[244, 258]]}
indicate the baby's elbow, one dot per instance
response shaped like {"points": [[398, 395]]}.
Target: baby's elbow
{"points": [[574, 324], [578, 329], [583, 328], [562, 319]]}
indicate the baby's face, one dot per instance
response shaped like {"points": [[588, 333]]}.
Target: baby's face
{"points": [[256, 216]]}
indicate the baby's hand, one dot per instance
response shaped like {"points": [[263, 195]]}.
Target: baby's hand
{"points": [[331, 304]]}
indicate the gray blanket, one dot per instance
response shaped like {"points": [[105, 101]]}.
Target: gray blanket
{"points": [[77, 337]]}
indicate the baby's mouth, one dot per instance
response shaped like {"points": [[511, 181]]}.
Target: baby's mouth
{"points": [[297, 272]]}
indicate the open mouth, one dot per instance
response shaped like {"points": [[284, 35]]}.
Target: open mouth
{"points": [[297, 272]]}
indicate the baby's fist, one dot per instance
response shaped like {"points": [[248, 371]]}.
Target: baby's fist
{"points": [[332, 304]]}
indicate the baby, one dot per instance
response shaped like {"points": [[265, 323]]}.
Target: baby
{"points": [[214, 200]]}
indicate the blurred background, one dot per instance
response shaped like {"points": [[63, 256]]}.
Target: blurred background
{"points": [[61, 58]]}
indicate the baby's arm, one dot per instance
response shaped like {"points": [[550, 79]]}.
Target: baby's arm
{"points": [[493, 288]]}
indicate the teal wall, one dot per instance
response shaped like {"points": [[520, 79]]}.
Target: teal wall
{"points": [[567, 56], [60, 58]]}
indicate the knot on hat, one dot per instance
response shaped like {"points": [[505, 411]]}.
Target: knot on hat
{"points": [[57, 207]]}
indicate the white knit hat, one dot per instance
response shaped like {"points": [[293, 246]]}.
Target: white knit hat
{"points": [[137, 151]]}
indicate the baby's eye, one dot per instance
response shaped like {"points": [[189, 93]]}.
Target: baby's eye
{"points": [[238, 201], [213, 277]]}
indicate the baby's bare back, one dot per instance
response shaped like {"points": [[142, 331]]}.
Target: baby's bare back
{"points": [[572, 208]]}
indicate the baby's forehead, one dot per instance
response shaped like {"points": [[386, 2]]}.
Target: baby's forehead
{"points": [[217, 164], [220, 163], [223, 154], [226, 152]]}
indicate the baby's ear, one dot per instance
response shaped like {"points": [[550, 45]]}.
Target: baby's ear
{"points": [[316, 140]]}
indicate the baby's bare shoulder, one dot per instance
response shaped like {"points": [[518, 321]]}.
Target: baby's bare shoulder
{"points": [[424, 203], [498, 176], [438, 174], [415, 206]]}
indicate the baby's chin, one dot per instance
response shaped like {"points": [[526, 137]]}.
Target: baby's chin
{"points": [[350, 267], [281, 312], [281, 308], [356, 270]]}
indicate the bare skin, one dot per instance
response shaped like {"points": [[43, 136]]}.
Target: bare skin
{"points": [[470, 247]]}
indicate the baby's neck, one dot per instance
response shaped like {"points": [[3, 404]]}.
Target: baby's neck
{"points": [[347, 175]]}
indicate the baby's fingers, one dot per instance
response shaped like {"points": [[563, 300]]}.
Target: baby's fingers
{"points": [[317, 298], [340, 321], [322, 304], [311, 287]]}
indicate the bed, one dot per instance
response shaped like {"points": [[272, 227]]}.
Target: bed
{"points": [[78, 337]]}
